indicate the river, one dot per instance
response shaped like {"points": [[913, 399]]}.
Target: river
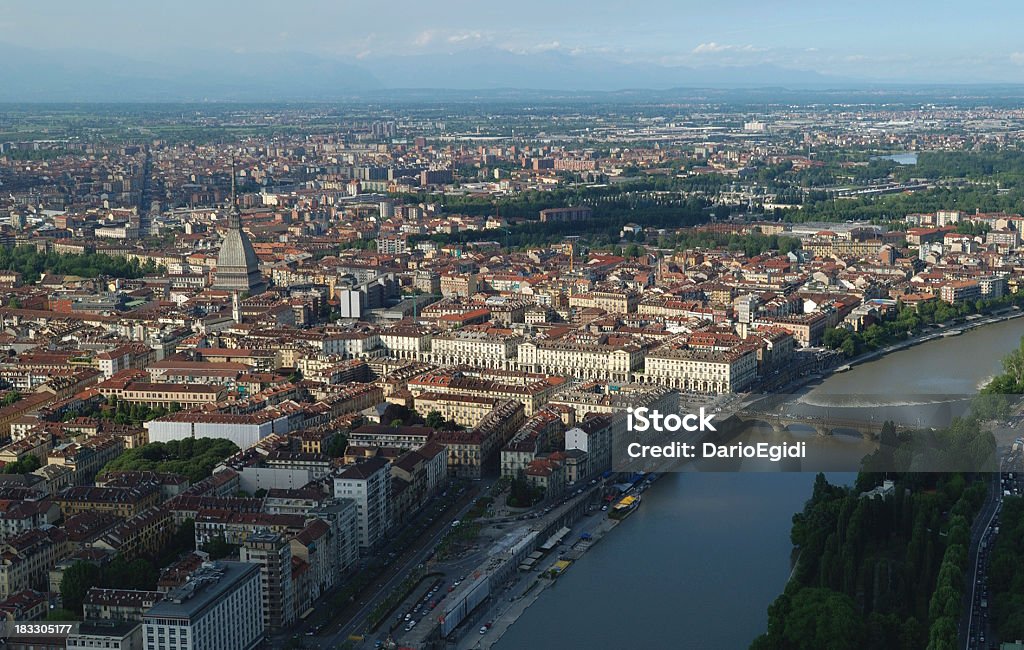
{"points": [[908, 158], [700, 561]]}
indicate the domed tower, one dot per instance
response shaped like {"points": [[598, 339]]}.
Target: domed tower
{"points": [[238, 268]]}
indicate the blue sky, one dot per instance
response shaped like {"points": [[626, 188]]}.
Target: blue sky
{"points": [[867, 40]]}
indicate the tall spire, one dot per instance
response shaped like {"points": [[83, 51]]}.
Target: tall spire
{"points": [[234, 219]]}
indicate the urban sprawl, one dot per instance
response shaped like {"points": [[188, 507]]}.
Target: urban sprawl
{"points": [[308, 377]]}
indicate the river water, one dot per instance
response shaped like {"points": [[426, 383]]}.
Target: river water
{"points": [[697, 565], [908, 158]]}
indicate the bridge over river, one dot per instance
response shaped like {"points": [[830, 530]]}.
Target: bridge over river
{"points": [[823, 426]]}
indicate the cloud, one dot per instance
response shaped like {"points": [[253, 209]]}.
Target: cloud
{"points": [[1017, 58], [463, 37], [715, 48], [536, 48], [424, 38]]}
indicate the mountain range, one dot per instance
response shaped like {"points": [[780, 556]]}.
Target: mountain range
{"points": [[195, 75]]}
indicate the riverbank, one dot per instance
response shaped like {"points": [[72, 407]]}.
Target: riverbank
{"points": [[504, 613], [875, 355], [948, 331]]}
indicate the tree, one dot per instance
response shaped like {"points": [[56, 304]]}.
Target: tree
{"points": [[336, 446], [849, 347], [435, 420], [10, 398], [26, 465], [218, 548], [62, 615], [78, 579]]}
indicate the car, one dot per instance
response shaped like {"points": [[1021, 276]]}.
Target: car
{"points": [[603, 508], [483, 630]]}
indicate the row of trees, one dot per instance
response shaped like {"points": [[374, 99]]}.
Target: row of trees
{"points": [[910, 321], [819, 205], [123, 412], [522, 494], [1006, 572], [120, 573]]}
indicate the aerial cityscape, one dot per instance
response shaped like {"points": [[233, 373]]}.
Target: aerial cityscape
{"points": [[450, 333]]}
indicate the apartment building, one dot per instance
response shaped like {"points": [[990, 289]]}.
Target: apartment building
{"points": [[472, 453], [86, 458], [959, 292], [122, 502], [379, 435], [532, 390], [26, 559], [613, 302], [494, 350], [406, 341], [463, 409], [18, 516], [368, 484], [221, 606], [595, 361], [273, 554], [702, 371], [592, 435], [145, 534]]}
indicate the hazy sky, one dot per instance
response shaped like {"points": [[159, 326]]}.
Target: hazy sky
{"points": [[865, 39]]}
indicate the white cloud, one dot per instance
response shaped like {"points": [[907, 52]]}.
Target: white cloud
{"points": [[1017, 58], [714, 48], [424, 38], [463, 37]]}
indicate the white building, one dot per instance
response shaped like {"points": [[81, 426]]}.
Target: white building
{"points": [[593, 436], [219, 607], [368, 484], [702, 371], [596, 361], [243, 430], [476, 348]]}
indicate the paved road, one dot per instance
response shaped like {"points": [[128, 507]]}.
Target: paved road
{"points": [[398, 571], [970, 623]]}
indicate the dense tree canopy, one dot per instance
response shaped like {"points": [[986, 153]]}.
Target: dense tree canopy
{"points": [[192, 458], [877, 573], [32, 264]]}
